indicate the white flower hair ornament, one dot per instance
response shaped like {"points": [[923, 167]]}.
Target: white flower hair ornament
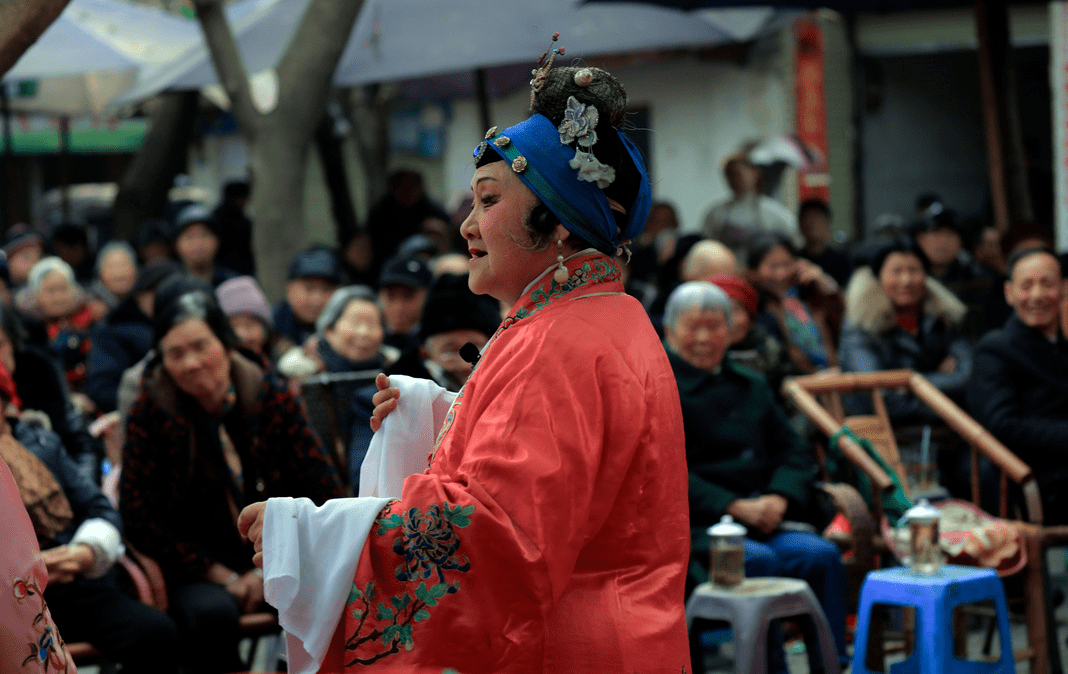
{"points": [[577, 129]]}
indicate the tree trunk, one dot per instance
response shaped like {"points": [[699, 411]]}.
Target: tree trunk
{"points": [[337, 182], [277, 164], [144, 187], [21, 23], [279, 138]]}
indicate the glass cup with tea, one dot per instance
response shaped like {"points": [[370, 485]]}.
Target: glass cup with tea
{"points": [[727, 567]]}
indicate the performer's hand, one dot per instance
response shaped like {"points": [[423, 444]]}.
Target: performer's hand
{"points": [[385, 401], [250, 524]]}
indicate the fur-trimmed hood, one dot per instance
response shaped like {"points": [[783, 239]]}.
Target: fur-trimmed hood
{"points": [[869, 309]]}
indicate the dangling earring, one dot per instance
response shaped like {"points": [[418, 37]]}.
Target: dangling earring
{"points": [[560, 275]]}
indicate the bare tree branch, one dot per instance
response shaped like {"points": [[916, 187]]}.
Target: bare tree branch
{"points": [[307, 67], [229, 66]]}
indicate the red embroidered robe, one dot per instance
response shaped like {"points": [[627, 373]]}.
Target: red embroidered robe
{"points": [[550, 532]]}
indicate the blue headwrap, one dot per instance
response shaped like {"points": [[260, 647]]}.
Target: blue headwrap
{"points": [[541, 161]]}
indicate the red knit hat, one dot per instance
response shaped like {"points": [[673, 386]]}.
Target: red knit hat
{"points": [[738, 289]]}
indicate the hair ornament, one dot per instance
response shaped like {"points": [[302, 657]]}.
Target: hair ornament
{"points": [[583, 77], [480, 150], [519, 164], [491, 133], [502, 141], [542, 68]]}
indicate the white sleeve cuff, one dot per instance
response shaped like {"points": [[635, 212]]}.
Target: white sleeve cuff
{"points": [[105, 540]]}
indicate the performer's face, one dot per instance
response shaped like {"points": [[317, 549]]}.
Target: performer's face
{"points": [[502, 259]]}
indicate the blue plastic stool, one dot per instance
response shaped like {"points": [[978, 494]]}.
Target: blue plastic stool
{"points": [[934, 598]]}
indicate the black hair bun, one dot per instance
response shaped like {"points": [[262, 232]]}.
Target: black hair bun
{"points": [[603, 92]]}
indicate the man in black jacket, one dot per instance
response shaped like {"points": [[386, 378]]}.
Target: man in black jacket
{"points": [[1020, 384]]}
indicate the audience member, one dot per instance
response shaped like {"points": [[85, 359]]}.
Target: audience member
{"points": [[987, 250], [57, 310], [400, 213], [749, 211], [351, 333], [211, 431], [450, 263], [799, 324], [154, 241], [234, 229], [445, 237], [452, 317], [196, 243], [357, 258], [24, 247], [899, 317], [80, 534], [243, 302], [750, 344], [42, 387], [814, 220], [70, 242], [124, 337], [116, 272], [402, 290], [942, 239], [314, 275], [1019, 385], [661, 225], [744, 459], [706, 259]]}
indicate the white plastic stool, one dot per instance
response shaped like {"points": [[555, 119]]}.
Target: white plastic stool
{"points": [[750, 608]]}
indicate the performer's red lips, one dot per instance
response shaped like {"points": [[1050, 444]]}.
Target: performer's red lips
{"points": [[475, 252]]}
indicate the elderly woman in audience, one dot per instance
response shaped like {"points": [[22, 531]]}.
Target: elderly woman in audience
{"points": [[794, 293], [116, 273], [243, 302], [897, 316], [57, 314], [744, 459], [211, 432]]}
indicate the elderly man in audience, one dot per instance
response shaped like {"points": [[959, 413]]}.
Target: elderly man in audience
{"points": [[1019, 389], [744, 459]]}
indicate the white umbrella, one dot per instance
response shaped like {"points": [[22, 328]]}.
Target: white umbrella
{"points": [[92, 53], [408, 39], [404, 39]]}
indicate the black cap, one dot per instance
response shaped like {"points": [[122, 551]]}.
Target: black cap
{"points": [[20, 236], [316, 262], [151, 275], [191, 215], [944, 219], [405, 271], [450, 305]]}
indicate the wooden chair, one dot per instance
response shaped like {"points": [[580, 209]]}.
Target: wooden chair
{"points": [[1043, 651]]}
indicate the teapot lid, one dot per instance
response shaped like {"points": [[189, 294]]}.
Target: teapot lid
{"points": [[922, 511], [727, 527]]}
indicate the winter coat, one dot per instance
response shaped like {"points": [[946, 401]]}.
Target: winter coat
{"points": [[176, 491], [872, 340], [119, 341], [1019, 391], [41, 386]]}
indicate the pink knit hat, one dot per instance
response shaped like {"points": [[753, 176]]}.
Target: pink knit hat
{"points": [[242, 295]]}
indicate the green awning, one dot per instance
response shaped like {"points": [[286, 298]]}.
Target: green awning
{"points": [[85, 138]]}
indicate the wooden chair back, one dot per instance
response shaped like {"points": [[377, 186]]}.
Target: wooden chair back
{"points": [[803, 391]]}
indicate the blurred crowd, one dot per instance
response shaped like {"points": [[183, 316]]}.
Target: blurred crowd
{"points": [[119, 366]]}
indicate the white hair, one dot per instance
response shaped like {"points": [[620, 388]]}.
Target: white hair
{"points": [[339, 301], [112, 247], [699, 295], [46, 266]]}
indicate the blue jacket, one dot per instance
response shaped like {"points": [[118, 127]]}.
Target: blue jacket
{"points": [[120, 341]]}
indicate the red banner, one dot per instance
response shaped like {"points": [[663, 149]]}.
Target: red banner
{"points": [[811, 106]]}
